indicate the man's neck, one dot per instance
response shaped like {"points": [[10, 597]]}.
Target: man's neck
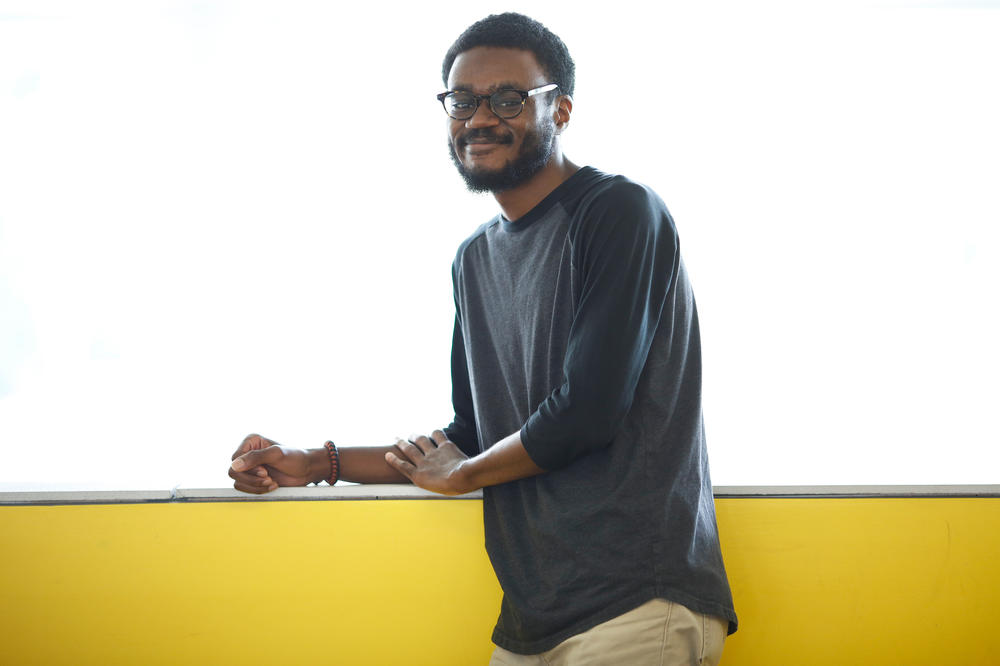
{"points": [[518, 201]]}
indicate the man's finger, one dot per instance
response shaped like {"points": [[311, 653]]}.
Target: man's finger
{"points": [[255, 477], [253, 483], [250, 442], [423, 443], [259, 457], [251, 473], [408, 451], [405, 468], [439, 437], [255, 489], [253, 442]]}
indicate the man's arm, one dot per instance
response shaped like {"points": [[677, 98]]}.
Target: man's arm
{"points": [[366, 464], [438, 465], [628, 258], [260, 465]]}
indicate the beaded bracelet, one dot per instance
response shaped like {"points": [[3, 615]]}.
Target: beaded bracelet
{"points": [[331, 450]]}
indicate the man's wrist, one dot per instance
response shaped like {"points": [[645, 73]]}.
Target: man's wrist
{"points": [[319, 465], [464, 478], [505, 461]]}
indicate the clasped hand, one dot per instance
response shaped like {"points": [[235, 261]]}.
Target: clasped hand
{"points": [[261, 465]]}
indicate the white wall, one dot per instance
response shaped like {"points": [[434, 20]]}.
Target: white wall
{"points": [[206, 229]]}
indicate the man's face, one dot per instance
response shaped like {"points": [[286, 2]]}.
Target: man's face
{"points": [[495, 154]]}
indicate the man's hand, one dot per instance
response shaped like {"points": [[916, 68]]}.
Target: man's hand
{"points": [[260, 466], [433, 464]]}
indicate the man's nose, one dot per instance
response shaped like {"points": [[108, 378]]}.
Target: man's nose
{"points": [[483, 117]]}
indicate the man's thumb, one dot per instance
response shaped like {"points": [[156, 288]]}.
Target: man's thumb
{"points": [[251, 459]]}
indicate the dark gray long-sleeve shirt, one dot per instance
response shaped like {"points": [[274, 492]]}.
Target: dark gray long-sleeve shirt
{"points": [[576, 326]]}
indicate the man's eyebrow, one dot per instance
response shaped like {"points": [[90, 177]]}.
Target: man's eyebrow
{"points": [[503, 85]]}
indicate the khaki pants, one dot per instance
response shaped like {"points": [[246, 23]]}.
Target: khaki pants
{"points": [[660, 633]]}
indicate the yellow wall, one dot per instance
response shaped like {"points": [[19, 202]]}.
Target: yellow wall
{"points": [[816, 581]]}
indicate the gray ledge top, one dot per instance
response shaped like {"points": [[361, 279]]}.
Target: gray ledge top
{"points": [[409, 492]]}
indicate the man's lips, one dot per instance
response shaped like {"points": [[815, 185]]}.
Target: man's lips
{"points": [[480, 147], [483, 142]]}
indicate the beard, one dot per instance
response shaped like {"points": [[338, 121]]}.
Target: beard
{"points": [[535, 153]]}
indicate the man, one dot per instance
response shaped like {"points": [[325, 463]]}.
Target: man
{"points": [[576, 385]]}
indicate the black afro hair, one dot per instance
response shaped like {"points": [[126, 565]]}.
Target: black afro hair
{"points": [[517, 31]]}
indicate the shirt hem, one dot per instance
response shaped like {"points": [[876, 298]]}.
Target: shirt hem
{"points": [[610, 612]]}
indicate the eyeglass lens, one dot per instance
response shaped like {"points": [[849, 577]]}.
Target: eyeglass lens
{"points": [[462, 105]]}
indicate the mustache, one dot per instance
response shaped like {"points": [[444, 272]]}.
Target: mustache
{"points": [[484, 135]]}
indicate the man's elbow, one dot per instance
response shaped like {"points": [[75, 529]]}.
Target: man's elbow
{"points": [[577, 433]]}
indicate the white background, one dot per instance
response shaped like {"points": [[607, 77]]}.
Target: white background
{"points": [[218, 218]]}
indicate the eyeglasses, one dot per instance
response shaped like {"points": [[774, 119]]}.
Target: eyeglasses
{"points": [[506, 103]]}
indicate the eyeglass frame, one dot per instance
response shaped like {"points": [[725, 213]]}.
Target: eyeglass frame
{"points": [[525, 94]]}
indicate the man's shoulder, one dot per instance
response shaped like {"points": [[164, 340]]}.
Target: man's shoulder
{"points": [[620, 202], [613, 190], [479, 233]]}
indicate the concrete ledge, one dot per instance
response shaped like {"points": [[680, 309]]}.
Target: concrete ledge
{"points": [[351, 492], [409, 492], [308, 493]]}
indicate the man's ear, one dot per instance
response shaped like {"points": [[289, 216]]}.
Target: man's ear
{"points": [[562, 112]]}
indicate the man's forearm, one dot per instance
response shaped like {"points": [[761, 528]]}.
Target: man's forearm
{"points": [[358, 464], [507, 460]]}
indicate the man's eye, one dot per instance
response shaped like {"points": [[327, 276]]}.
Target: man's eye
{"points": [[463, 102], [507, 101]]}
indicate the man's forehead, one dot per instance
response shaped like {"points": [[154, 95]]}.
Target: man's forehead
{"points": [[485, 69], [491, 88]]}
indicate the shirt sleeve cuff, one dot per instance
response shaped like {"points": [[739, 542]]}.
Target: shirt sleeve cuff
{"points": [[540, 454]]}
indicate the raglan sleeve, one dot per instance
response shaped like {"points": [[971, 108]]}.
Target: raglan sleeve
{"points": [[626, 249], [462, 429]]}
